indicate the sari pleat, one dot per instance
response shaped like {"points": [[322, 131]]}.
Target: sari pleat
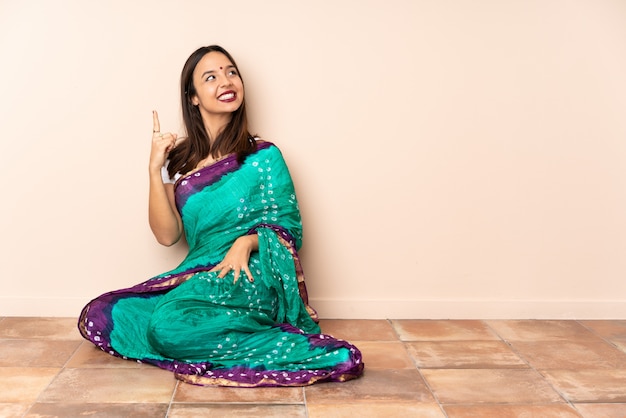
{"points": [[212, 331]]}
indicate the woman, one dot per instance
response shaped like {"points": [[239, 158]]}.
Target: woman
{"points": [[235, 311]]}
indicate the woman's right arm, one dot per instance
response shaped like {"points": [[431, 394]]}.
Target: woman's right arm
{"points": [[164, 219]]}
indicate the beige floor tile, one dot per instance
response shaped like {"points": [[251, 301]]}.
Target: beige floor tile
{"points": [[465, 362], [23, 385], [584, 386], [236, 411], [592, 354], [359, 329], [620, 343], [374, 385], [111, 386], [538, 330], [607, 329], [98, 410], [464, 355], [442, 330], [36, 327], [90, 356], [351, 409], [13, 410], [199, 394], [602, 410], [385, 355], [480, 386], [612, 331], [36, 353], [511, 411]]}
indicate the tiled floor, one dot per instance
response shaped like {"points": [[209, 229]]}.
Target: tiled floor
{"points": [[414, 368]]}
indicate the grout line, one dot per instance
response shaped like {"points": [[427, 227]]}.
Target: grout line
{"points": [[25, 414], [393, 328], [419, 371], [607, 340], [71, 356], [61, 369], [531, 367], [306, 406], [169, 406]]}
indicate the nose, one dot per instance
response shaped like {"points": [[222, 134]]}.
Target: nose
{"points": [[225, 80]]}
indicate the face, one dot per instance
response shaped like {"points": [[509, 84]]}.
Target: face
{"points": [[219, 89]]}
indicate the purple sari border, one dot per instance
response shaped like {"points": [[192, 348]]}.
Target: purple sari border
{"points": [[210, 174], [241, 376], [283, 232], [203, 373]]}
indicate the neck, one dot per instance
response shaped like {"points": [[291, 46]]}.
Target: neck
{"points": [[214, 124]]}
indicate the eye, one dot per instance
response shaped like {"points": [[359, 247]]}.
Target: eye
{"points": [[232, 72], [209, 78]]}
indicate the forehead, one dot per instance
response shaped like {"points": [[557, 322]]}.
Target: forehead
{"points": [[212, 62]]}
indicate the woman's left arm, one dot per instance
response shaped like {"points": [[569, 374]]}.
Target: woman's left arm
{"points": [[237, 257]]}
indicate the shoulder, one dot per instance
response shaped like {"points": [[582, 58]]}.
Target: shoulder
{"points": [[263, 145], [271, 147], [266, 151]]}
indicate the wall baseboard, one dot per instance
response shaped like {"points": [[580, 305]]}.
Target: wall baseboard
{"points": [[469, 309], [46, 307], [381, 309]]}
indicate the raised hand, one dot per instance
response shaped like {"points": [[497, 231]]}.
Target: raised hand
{"points": [[162, 143]]}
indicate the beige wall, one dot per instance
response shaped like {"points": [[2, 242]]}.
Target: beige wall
{"points": [[453, 159]]}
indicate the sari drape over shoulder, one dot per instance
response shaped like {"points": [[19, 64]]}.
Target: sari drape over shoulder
{"points": [[212, 331]]}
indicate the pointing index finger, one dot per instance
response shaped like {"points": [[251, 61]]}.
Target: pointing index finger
{"points": [[156, 126]]}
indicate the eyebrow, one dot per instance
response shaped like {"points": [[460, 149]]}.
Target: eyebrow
{"points": [[212, 71]]}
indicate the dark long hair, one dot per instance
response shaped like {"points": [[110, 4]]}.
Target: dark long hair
{"points": [[234, 138]]}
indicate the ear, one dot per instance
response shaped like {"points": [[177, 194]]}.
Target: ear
{"points": [[195, 101]]}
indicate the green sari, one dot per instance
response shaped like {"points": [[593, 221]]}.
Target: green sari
{"points": [[212, 331]]}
